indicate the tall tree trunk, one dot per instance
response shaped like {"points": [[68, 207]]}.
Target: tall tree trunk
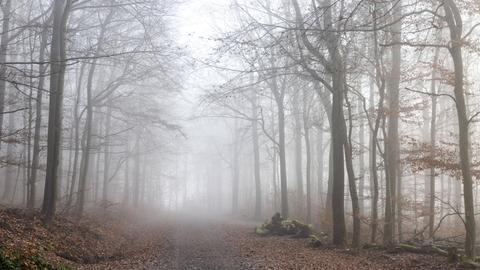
{"points": [[392, 149], [283, 161], [28, 122], [455, 25], [27, 148], [87, 132], [144, 182], [279, 96], [325, 99], [57, 74], [379, 118], [60, 174], [320, 166], [98, 121], [86, 146], [6, 9], [338, 191], [275, 178], [71, 152], [3, 86], [328, 204], [106, 154], [298, 153], [433, 126], [136, 178], [306, 128], [126, 186], [426, 172], [256, 157], [335, 68], [10, 184], [337, 72], [351, 176], [76, 123], [374, 182], [361, 162], [235, 168]]}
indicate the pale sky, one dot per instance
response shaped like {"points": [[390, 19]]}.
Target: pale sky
{"points": [[200, 20]]}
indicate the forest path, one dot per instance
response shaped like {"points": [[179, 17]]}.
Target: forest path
{"points": [[200, 244], [205, 243], [181, 241]]}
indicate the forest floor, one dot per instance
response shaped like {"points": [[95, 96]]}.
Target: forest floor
{"points": [[126, 241]]}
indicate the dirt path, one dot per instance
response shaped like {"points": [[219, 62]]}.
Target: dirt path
{"points": [[209, 244], [200, 245]]}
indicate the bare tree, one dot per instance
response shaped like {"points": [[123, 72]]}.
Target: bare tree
{"points": [[61, 11], [392, 142], [454, 22]]}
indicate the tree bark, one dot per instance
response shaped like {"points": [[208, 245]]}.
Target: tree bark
{"points": [[321, 166], [76, 121], [86, 145], [392, 144], [298, 153], [61, 12], [10, 183], [351, 176], [282, 157], [306, 128], [136, 179], [338, 189], [361, 162], [433, 127], [235, 168], [335, 68], [38, 122], [256, 157], [126, 186], [3, 58], [455, 25], [106, 154], [374, 144]]}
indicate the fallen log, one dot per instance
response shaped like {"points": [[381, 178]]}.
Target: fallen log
{"points": [[411, 248], [439, 251], [452, 254], [278, 225], [261, 231], [469, 264], [425, 249], [314, 241], [372, 246]]}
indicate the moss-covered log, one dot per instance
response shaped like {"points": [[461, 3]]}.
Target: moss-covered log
{"points": [[278, 225], [314, 241], [469, 264], [412, 248]]}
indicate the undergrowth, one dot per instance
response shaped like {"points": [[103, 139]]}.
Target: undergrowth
{"points": [[17, 260]]}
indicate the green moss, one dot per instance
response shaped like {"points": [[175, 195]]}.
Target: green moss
{"points": [[19, 261], [314, 241], [261, 231], [278, 225]]}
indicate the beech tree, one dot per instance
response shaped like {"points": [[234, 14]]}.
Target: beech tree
{"points": [[61, 11]]}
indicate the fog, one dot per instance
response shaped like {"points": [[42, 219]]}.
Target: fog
{"points": [[358, 117]]}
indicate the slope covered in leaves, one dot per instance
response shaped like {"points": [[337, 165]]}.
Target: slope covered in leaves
{"points": [[92, 240]]}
